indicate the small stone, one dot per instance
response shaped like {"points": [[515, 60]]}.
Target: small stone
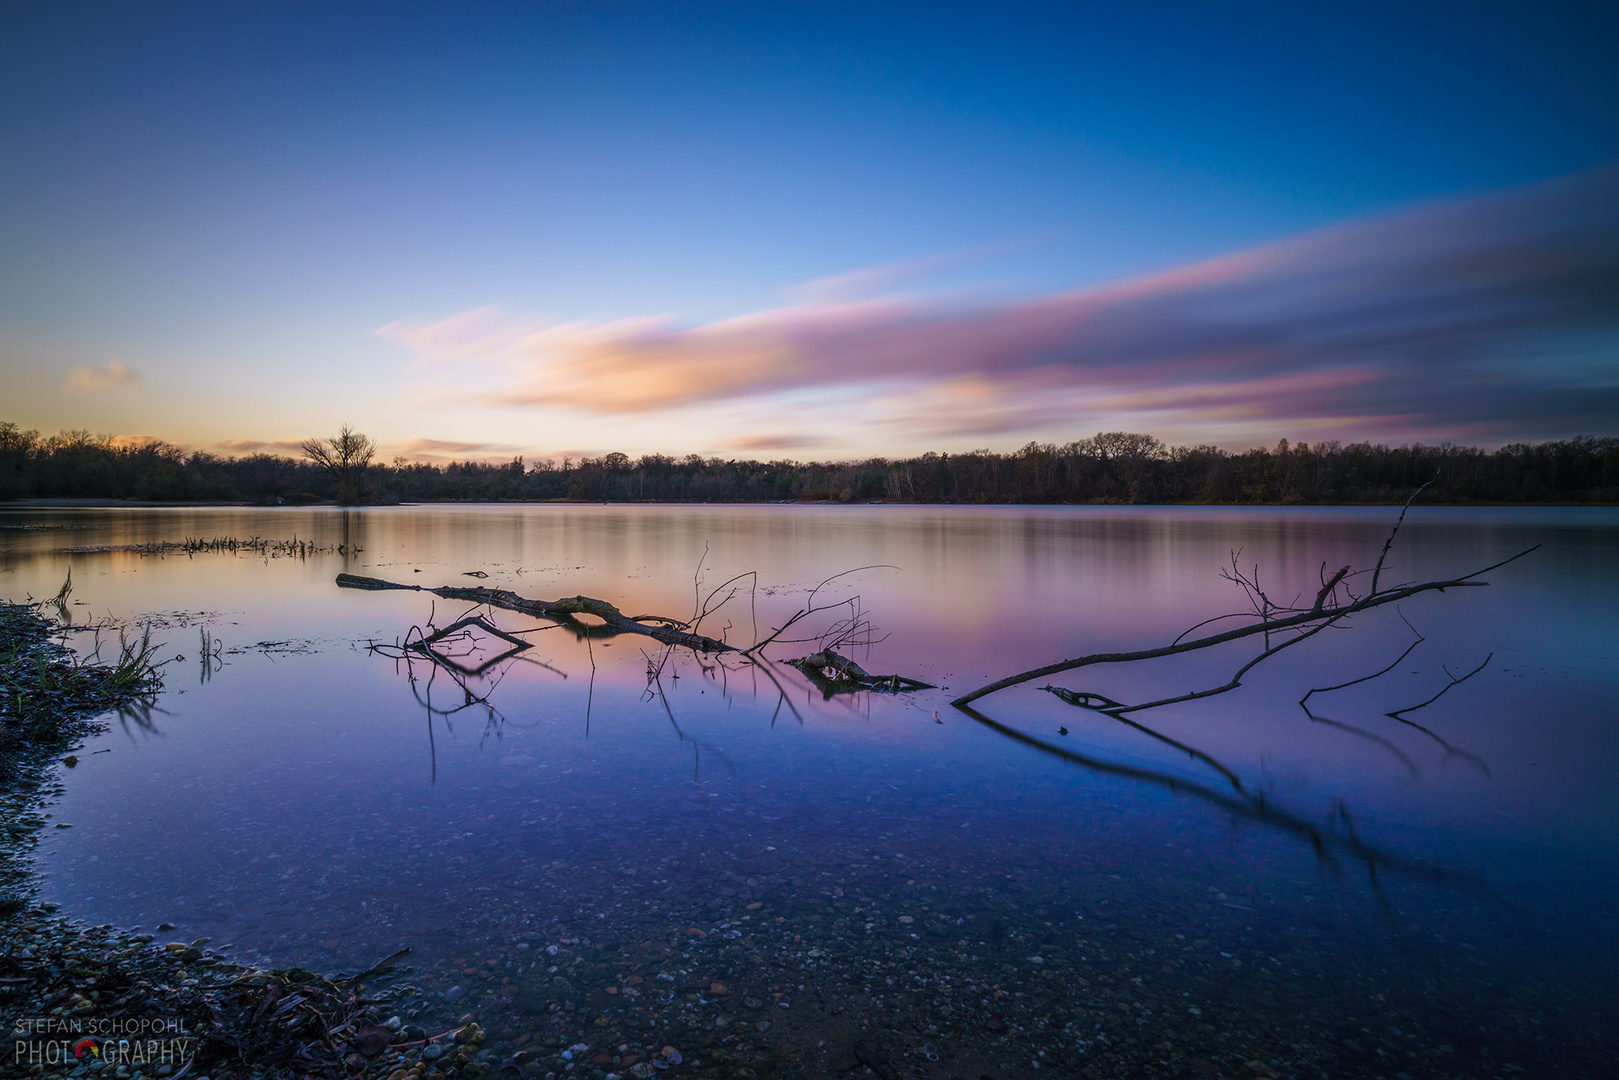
{"points": [[371, 1041], [454, 994], [717, 989]]}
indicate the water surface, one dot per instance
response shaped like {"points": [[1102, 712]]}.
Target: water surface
{"points": [[723, 857]]}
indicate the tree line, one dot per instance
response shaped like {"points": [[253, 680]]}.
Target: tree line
{"points": [[1111, 467]]}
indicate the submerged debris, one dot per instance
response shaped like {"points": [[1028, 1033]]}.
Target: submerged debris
{"points": [[80, 995], [834, 673]]}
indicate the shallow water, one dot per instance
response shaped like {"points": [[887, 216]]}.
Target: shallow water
{"points": [[879, 866]]}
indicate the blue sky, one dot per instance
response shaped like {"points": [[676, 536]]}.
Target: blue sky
{"points": [[480, 230]]}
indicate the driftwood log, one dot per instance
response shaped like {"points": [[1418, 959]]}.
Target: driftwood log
{"points": [[667, 630]]}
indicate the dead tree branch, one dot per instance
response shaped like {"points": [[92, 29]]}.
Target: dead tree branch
{"points": [[668, 631], [1382, 557], [1307, 622]]}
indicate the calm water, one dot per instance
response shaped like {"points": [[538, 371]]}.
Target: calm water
{"points": [[723, 860]]}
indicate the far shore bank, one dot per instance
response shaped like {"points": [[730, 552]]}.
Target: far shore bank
{"points": [[142, 504]]}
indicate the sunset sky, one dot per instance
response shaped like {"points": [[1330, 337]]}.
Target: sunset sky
{"points": [[810, 231]]}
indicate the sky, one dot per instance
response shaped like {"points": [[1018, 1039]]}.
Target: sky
{"points": [[807, 231]]}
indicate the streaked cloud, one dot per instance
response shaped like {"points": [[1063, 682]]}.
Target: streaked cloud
{"points": [[88, 380], [446, 446], [880, 280], [248, 446], [778, 441], [1497, 316]]}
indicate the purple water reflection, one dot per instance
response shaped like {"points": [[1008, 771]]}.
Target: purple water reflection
{"points": [[301, 804]]}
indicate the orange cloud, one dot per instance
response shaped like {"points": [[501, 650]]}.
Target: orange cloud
{"points": [[87, 380], [292, 446], [446, 446]]}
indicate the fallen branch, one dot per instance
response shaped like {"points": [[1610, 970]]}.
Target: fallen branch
{"points": [[1307, 621], [654, 626]]}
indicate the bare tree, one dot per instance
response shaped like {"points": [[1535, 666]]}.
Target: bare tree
{"points": [[345, 457]]}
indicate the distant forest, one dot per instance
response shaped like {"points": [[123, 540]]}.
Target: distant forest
{"points": [[1112, 467]]}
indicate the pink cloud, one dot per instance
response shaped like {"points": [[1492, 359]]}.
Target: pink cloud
{"points": [[1453, 315], [781, 441]]}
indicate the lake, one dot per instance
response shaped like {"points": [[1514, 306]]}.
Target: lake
{"points": [[594, 840]]}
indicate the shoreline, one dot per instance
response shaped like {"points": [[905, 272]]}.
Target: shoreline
{"points": [[82, 999]]}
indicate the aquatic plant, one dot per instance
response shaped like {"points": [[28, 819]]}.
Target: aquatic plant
{"points": [[46, 690]]}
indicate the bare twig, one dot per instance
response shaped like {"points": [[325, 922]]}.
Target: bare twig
{"points": [[1399, 714], [1116, 709], [1303, 701], [1377, 572], [810, 607]]}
